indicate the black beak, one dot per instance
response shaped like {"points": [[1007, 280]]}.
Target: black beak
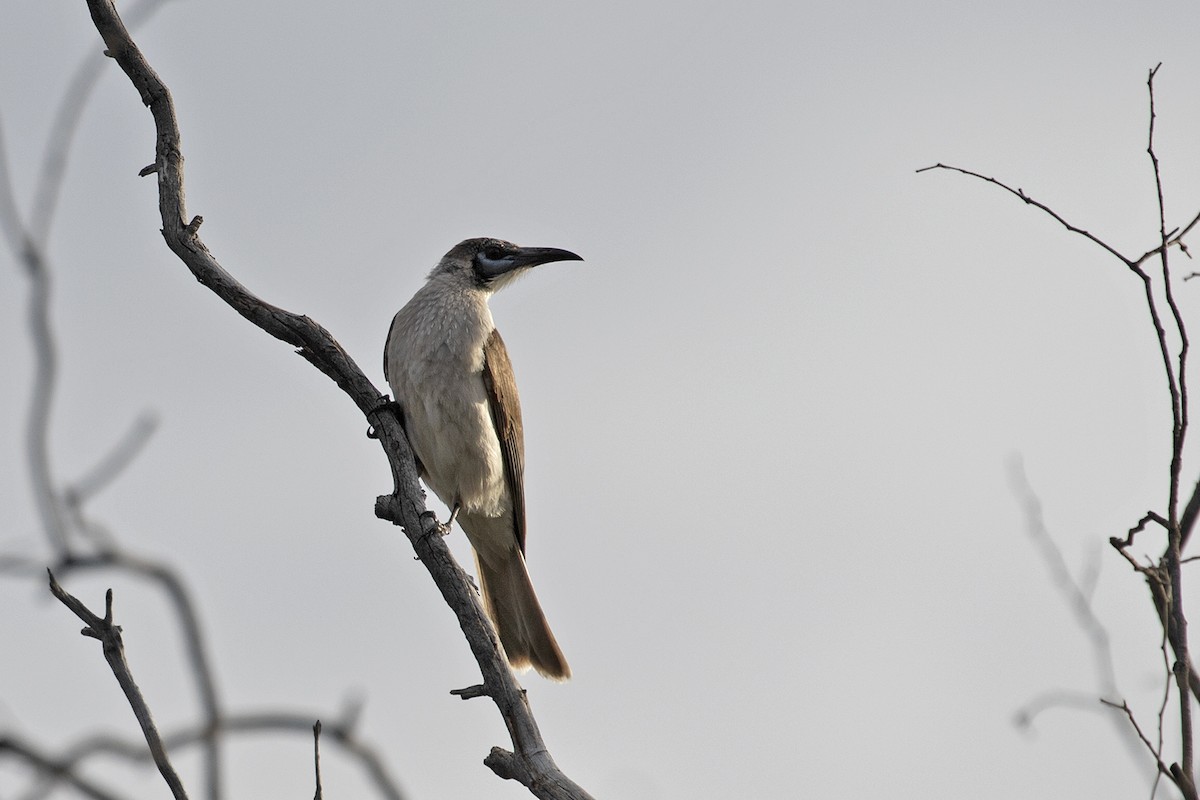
{"points": [[533, 256]]}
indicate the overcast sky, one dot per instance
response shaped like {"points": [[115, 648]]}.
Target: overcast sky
{"points": [[770, 419]]}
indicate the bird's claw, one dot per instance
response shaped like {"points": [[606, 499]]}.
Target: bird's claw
{"points": [[439, 527], [386, 403]]}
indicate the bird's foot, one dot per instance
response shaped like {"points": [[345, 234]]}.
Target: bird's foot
{"points": [[442, 528], [386, 403]]}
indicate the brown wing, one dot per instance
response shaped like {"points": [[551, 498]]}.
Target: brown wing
{"points": [[501, 389], [387, 348]]}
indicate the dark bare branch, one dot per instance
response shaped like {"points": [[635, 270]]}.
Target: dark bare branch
{"points": [[1020, 193], [1147, 518], [1164, 578], [1177, 384], [1124, 707], [316, 729]]}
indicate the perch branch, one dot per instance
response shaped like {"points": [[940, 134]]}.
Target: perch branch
{"points": [[405, 506]]}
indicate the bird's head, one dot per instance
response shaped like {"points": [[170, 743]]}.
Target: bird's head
{"points": [[489, 264]]}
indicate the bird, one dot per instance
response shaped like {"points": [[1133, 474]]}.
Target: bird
{"points": [[451, 376]]}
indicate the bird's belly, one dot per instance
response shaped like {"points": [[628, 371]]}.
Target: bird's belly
{"points": [[454, 437]]}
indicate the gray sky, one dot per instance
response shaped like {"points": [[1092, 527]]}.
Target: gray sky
{"points": [[768, 419]]}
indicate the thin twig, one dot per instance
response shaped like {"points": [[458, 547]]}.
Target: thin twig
{"points": [[1124, 706], [1036, 204], [316, 728], [1163, 645]]}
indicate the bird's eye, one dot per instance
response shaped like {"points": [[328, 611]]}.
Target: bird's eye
{"points": [[493, 254]]}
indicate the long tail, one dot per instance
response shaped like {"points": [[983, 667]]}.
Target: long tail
{"points": [[509, 600]]}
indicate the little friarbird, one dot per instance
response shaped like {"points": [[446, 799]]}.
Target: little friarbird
{"points": [[450, 373]]}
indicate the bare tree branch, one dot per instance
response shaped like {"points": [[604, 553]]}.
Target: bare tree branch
{"points": [[1164, 578], [1020, 193], [1079, 603], [1177, 621], [63, 508], [109, 636], [531, 762], [1156, 752], [37, 425], [1081, 607], [56, 769], [341, 732], [27, 243], [197, 653], [113, 463], [56, 156]]}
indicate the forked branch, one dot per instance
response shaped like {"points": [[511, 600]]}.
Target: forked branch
{"points": [[109, 635]]}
